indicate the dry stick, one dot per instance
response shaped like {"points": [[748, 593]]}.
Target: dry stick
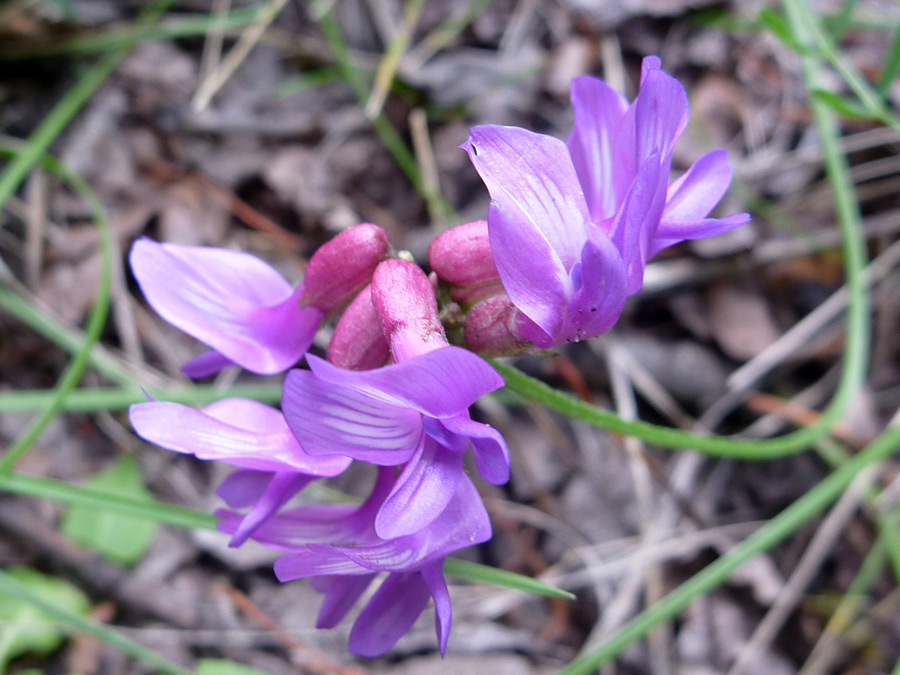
{"points": [[824, 540], [123, 313], [852, 603], [236, 56], [387, 69], [212, 42], [663, 275], [742, 379], [418, 127], [644, 574], [36, 222], [616, 557]]}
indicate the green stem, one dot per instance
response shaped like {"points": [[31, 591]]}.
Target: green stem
{"points": [[179, 516], [71, 340], [73, 372], [81, 623], [127, 36], [111, 398], [52, 125], [60, 491], [817, 499], [383, 127], [717, 573]]}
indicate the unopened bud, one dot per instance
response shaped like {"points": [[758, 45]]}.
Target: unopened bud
{"points": [[344, 265], [491, 328], [407, 308], [462, 255], [358, 342], [466, 296]]}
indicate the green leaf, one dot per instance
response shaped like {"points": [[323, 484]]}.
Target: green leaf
{"points": [[463, 569], [891, 65], [841, 105], [25, 628], [778, 26], [122, 539], [224, 667]]}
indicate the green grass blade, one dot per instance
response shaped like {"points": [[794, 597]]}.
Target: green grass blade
{"points": [[69, 339], [383, 127], [60, 491], [817, 499], [841, 21], [179, 516], [717, 573], [484, 574], [81, 623], [891, 66], [112, 399], [52, 125], [73, 372], [122, 38]]}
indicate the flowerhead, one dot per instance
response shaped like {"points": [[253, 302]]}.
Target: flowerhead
{"points": [[412, 414], [339, 547], [246, 434], [572, 225], [242, 308]]}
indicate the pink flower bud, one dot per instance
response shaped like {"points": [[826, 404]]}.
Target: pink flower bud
{"points": [[491, 328], [462, 255], [358, 342], [405, 302], [466, 296], [344, 265]]}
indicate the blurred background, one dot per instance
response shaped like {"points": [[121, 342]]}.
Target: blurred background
{"points": [[269, 127]]}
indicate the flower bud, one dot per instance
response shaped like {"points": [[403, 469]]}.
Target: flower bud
{"points": [[358, 342], [407, 308], [491, 328], [344, 265], [466, 296], [462, 255]]}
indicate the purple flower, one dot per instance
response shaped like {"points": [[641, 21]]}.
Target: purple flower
{"points": [[245, 434], [573, 224], [244, 309], [413, 413], [339, 546]]}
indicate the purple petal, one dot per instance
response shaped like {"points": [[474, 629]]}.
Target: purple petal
{"points": [[637, 220], [534, 172], [422, 491], [232, 301], [648, 65], [242, 488], [341, 593], [433, 575], [537, 220], [600, 295], [488, 445], [391, 612], [208, 363], [672, 232], [293, 530], [463, 523], [318, 560], [697, 191], [661, 114], [328, 418], [440, 383], [281, 488], [598, 110], [262, 441]]}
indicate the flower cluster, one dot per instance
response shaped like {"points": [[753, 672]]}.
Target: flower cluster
{"points": [[569, 231], [572, 225]]}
